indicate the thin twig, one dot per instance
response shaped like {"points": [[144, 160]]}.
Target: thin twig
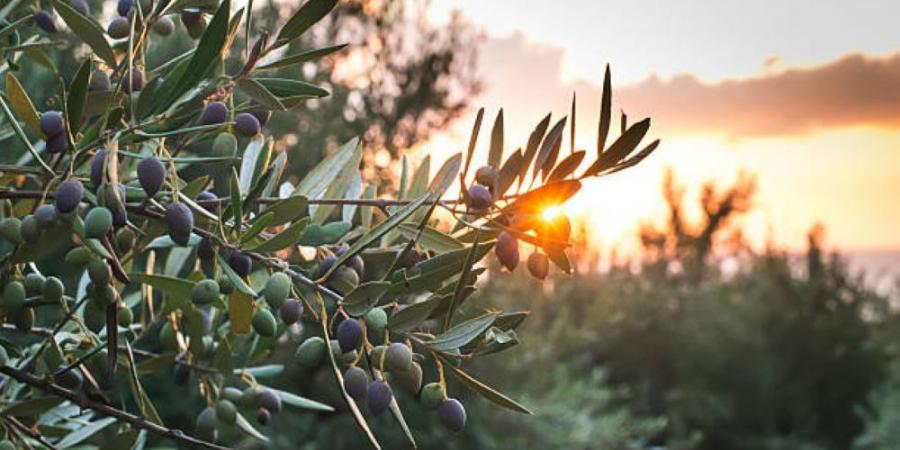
{"points": [[82, 401]]}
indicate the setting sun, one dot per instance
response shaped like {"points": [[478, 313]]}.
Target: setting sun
{"points": [[549, 213]]}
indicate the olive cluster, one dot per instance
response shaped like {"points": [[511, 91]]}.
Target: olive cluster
{"points": [[233, 401], [480, 197], [392, 363], [128, 10]]}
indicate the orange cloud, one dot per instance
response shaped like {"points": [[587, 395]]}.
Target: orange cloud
{"points": [[851, 91], [854, 90]]}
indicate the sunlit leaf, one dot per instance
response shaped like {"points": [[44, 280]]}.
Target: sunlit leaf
{"points": [[22, 104], [566, 167], [303, 57], [310, 13], [430, 238], [240, 312], [495, 154]]}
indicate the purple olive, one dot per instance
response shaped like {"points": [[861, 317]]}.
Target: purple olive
{"points": [[379, 396], [151, 174], [349, 335], [213, 113], [180, 221], [68, 195]]}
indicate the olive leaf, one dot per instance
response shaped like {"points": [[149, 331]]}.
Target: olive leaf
{"points": [[285, 238], [22, 104], [87, 30], [462, 333], [310, 13], [487, 392], [364, 297]]}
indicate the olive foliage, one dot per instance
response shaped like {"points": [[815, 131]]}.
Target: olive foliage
{"points": [[162, 275]]}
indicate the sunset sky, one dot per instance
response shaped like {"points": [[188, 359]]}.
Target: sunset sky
{"points": [[804, 94]]}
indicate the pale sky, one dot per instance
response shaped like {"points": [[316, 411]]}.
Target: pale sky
{"points": [[804, 94]]}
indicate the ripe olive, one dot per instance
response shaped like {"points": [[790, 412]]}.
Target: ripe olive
{"points": [[538, 265], [213, 113], [349, 335], [452, 415], [68, 195], [379, 396], [180, 221], [480, 197], [507, 250], [356, 382], [246, 124], [151, 174], [290, 311]]}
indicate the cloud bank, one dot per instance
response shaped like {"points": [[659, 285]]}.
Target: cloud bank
{"points": [[853, 90]]}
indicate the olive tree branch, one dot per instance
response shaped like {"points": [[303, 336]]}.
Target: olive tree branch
{"points": [[47, 386]]}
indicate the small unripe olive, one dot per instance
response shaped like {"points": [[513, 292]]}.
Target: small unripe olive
{"points": [[213, 113], [124, 316], [11, 230], [311, 352], [452, 415], [250, 397], [480, 197], [118, 28], [53, 290], [398, 357], [349, 335], [231, 394], [180, 221], [94, 316], [103, 295], [167, 337], [151, 174], [486, 176], [79, 255], [206, 424], [98, 222], [14, 296], [125, 239], [379, 396], [507, 250], [411, 380], [164, 26], [226, 412], [68, 195], [45, 21], [356, 382], [342, 357], [290, 311], [31, 229], [24, 320], [538, 265], [376, 320], [99, 272], [264, 322], [431, 396], [226, 287], [205, 292], [277, 289], [112, 197], [246, 124], [33, 282], [225, 144]]}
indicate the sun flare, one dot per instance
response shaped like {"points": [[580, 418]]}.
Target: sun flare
{"points": [[551, 212]]}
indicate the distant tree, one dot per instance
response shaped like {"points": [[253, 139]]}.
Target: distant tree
{"points": [[399, 80]]}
